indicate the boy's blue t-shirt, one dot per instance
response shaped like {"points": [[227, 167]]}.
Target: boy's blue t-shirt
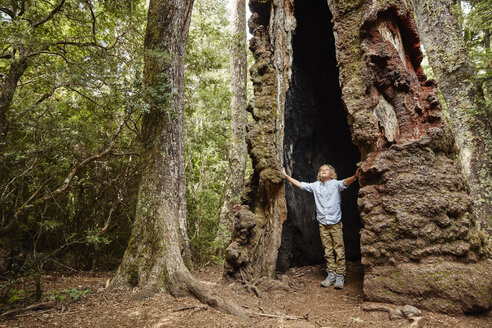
{"points": [[327, 197]]}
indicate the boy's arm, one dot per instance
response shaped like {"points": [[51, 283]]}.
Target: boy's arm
{"points": [[291, 179], [347, 182]]}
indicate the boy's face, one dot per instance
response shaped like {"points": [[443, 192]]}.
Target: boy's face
{"points": [[325, 173]]}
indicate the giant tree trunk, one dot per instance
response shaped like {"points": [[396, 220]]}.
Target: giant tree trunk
{"points": [[419, 243], [469, 117], [239, 118], [258, 226], [153, 260]]}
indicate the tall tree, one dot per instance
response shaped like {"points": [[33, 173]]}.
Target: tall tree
{"points": [[239, 118], [470, 119], [153, 259]]}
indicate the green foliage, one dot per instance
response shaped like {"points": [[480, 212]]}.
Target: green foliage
{"points": [[207, 117], [476, 20], [83, 77], [73, 294], [15, 295]]}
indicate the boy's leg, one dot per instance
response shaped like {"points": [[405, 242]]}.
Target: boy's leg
{"points": [[338, 247], [326, 240]]}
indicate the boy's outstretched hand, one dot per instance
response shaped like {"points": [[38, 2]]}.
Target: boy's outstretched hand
{"points": [[290, 179]]}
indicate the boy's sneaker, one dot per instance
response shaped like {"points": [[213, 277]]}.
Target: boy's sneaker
{"points": [[339, 281], [330, 280]]}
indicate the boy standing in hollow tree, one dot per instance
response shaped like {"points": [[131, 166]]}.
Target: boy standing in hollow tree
{"points": [[327, 197]]}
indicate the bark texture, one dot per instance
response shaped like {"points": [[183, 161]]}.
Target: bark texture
{"points": [[470, 119], [9, 84], [419, 242], [419, 228], [153, 258], [258, 227], [239, 119]]}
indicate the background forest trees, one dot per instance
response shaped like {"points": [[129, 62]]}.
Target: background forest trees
{"points": [[71, 74]]}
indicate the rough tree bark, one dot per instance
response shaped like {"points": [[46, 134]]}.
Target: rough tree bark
{"points": [[9, 84], [419, 241], [258, 225], [239, 118], [470, 119], [153, 260]]}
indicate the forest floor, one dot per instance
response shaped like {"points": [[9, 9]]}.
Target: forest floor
{"points": [[297, 300]]}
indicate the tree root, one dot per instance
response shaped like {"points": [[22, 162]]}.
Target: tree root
{"points": [[204, 295], [285, 317], [405, 312]]}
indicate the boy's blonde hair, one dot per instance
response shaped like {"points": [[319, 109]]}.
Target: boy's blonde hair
{"points": [[333, 172]]}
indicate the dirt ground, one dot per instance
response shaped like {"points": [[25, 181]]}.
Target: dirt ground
{"points": [[297, 300]]}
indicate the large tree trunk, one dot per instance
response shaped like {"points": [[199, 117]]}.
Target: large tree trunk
{"points": [[239, 118], [153, 260], [470, 119], [419, 243], [258, 227]]}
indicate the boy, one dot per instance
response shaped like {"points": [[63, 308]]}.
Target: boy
{"points": [[327, 196]]}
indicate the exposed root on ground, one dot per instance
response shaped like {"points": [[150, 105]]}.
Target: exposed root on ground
{"points": [[405, 312], [33, 307], [204, 295]]}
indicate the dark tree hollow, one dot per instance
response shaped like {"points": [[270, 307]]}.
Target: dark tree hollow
{"points": [[316, 133]]}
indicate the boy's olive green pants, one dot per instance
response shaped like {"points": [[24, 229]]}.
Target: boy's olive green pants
{"points": [[332, 240]]}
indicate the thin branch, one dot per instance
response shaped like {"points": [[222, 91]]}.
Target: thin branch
{"points": [[8, 12], [285, 317], [18, 177], [48, 53], [23, 8], [93, 16], [78, 44], [38, 190], [83, 95], [108, 220], [50, 15], [43, 98], [37, 78]]}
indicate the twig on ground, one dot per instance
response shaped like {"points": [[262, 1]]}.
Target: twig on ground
{"points": [[34, 307], [31, 314], [286, 317], [196, 308]]}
